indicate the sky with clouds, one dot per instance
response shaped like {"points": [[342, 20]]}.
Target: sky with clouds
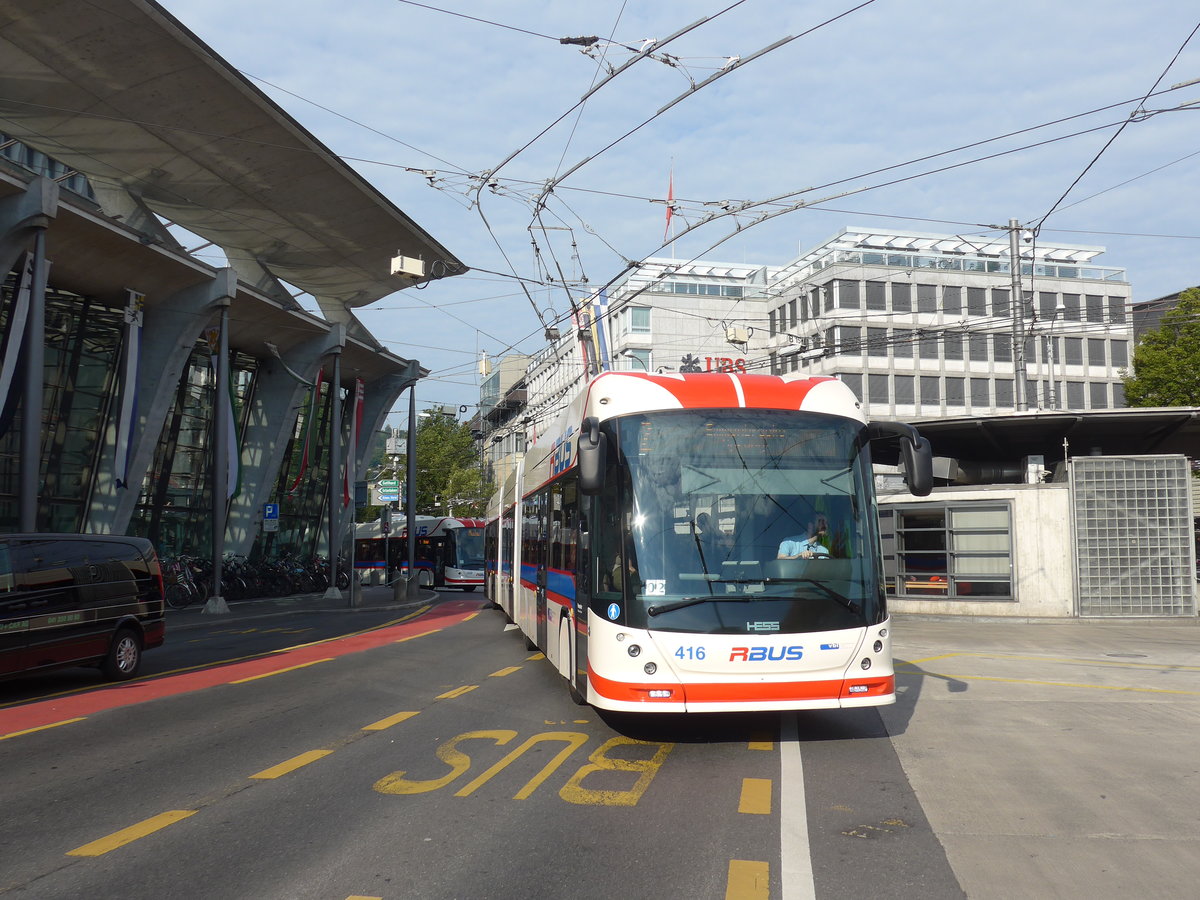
{"points": [[424, 100]]}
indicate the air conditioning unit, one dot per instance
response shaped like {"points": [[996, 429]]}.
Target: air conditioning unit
{"points": [[736, 334]]}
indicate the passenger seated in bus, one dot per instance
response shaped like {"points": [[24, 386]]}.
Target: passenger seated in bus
{"points": [[627, 573], [805, 547]]}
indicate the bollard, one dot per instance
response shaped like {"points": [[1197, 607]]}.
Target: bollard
{"points": [[399, 589]]}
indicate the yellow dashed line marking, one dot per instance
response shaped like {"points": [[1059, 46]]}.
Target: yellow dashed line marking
{"points": [[470, 617], [457, 692], [13, 734], [413, 637], [504, 672], [761, 742], [756, 796], [132, 833], [292, 764], [389, 721], [281, 671], [536, 656], [748, 880]]}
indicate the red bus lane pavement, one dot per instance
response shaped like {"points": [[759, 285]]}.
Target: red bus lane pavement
{"points": [[40, 715]]}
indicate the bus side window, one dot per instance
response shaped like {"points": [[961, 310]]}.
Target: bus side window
{"points": [[6, 573]]}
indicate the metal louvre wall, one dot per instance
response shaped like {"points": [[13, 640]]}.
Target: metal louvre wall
{"points": [[1134, 547]]}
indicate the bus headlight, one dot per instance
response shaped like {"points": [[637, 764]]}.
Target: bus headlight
{"points": [[866, 663], [878, 646], [635, 650], [650, 668]]}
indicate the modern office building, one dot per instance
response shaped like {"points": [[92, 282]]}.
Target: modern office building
{"points": [[922, 325], [111, 168]]}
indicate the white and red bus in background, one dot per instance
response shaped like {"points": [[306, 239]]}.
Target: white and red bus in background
{"points": [[637, 545], [448, 551]]}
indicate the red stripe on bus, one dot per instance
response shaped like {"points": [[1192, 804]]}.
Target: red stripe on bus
{"points": [[740, 692]]}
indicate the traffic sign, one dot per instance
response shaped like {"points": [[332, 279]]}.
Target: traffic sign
{"points": [[270, 511], [392, 483]]}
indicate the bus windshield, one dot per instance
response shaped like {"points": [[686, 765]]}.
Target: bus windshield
{"points": [[469, 547], [740, 521]]}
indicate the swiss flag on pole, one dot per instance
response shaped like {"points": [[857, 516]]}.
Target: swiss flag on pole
{"points": [[670, 206]]}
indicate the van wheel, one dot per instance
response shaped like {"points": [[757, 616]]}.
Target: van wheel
{"points": [[124, 656]]}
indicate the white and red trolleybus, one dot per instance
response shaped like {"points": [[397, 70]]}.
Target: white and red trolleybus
{"points": [[448, 551], [638, 545]]}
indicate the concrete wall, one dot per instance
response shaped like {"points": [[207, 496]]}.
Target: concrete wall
{"points": [[1042, 547]]}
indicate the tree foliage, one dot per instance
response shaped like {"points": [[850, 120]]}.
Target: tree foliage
{"points": [[1166, 361], [449, 479]]}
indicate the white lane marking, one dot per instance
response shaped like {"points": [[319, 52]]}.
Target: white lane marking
{"points": [[795, 857]]}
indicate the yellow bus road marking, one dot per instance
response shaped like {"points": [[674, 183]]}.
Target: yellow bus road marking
{"points": [[339, 637], [536, 656], [761, 742], [281, 671], [457, 692], [748, 880], [389, 721], [413, 637], [756, 796], [470, 617], [504, 672], [13, 734], [292, 764], [132, 833]]}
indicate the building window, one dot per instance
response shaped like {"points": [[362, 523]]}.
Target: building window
{"points": [[877, 385], [847, 294], [639, 319], [851, 340], [1071, 311], [1004, 392], [929, 345], [953, 344], [1046, 304], [639, 360], [1073, 351], [901, 296], [1096, 351], [976, 301], [1120, 353], [877, 342], [979, 392], [927, 298], [1095, 308], [853, 380], [902, 344], [1074, 395], [1002, 347], [904, 389], [876, 295], [1000, 305], [771, 323], [930, 391], [1099, 392], [979, 348], [1116, 309], [952, 300], [949, 551], [1118, 395], [955, 388], [814, 299], [792, 312]]}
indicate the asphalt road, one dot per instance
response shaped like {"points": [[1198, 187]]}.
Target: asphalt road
{"points": [[436, 757]]}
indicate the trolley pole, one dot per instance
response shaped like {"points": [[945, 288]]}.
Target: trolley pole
{"points": [[1020, 375]]}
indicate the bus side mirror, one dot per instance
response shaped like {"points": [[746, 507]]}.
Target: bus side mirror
{"points": [[916, 455], [918, 465], [593, 455]]}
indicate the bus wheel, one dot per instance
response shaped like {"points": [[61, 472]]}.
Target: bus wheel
{"points": [[530, 645], [468, 587]]}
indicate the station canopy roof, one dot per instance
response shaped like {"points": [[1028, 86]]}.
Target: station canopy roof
{"points": [[124, 93], [1116, 432]]}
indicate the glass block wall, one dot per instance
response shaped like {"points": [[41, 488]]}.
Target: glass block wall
{"points": [[1135, 554]]}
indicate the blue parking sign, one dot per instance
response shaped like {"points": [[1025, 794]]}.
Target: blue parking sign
{"points": [[270, 510]]}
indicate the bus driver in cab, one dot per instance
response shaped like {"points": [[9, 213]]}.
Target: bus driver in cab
{"points": [[801, 547]]}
